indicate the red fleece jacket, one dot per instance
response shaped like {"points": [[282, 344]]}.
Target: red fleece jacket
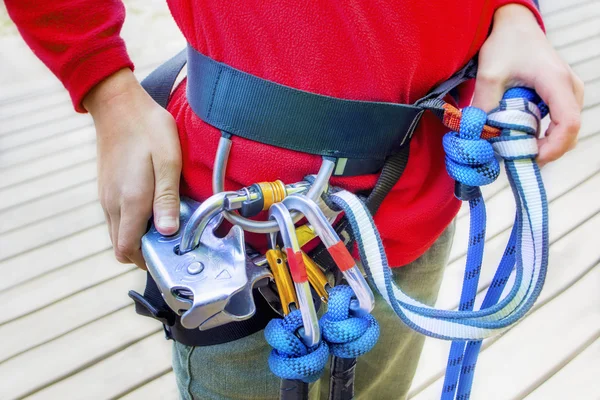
{"points": [[379, 50]]}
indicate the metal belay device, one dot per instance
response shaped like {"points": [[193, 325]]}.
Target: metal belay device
{"points": [[208, 280]]}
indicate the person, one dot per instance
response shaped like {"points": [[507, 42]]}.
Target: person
{"points": [[394, 51]]}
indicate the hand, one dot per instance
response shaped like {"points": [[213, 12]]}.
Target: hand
{"points": [[139, 163], [517, 53]]}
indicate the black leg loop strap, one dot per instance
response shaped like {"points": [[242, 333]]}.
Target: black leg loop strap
{"points": [[151, 304]]}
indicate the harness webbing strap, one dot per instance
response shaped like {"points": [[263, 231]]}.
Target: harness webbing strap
{"points": [[151, 304], [160, 81], [264, 111]]}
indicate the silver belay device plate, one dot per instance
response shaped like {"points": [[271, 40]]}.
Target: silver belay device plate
{"points": [[210, 285]]}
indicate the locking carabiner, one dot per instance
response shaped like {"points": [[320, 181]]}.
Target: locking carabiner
{"points": [[278, 212], [336, 248]]}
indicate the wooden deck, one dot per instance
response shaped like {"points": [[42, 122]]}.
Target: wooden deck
{"points": [[62, 295]]}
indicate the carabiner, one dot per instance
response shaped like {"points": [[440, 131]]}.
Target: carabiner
{"points": [[278, 212], [336, 248]]}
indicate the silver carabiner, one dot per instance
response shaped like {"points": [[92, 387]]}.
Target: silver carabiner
{"points": [[336, 248], [278, 212], [218, 184]]}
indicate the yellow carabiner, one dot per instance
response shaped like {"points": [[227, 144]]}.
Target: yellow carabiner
{"points": [[317, 278], [283, 280]]}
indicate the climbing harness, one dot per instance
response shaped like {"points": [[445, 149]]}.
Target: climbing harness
{"points": [[207, 289]]}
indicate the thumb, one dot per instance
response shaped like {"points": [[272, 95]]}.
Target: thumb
{"points": [[166, 193], [488, 92]]}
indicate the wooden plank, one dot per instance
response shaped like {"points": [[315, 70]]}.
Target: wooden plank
{"points": [[31, 152], [78, 349], [571, 16], [551, 7], [566, 263], [574, 33], [588, 70], [578, 376], [559, 177], [47, 165], [581, 51], [48, 206], [114, 375], [50, 230], [163, 388], [22, 92], [589, 122], [53, 129], [22, 110], [45, 185], [592, 93], [59, 318], [23, 267], [548, 338], [53, 118], [59, 284]]}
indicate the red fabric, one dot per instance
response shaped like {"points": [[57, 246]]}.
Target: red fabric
{"points": [[372, 50], [77, 39]]}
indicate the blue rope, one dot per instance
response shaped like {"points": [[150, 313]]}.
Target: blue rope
{"points": [[348, 335], [468, 161], [344, 335], [290, 357]]}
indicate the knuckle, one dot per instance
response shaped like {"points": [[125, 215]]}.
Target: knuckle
{"points": [[167, 197], [125, 250], [134, 196], [490, 78], [121, 257], [572, 124]]}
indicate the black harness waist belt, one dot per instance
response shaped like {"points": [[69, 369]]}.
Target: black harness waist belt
{"points": [[260, 110], [360, 135]]}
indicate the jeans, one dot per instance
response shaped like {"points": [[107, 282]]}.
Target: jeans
{"points": [[239, 370]]}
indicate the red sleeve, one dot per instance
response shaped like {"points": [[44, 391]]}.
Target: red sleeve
{"points": [[77, 39], [531, 4]]}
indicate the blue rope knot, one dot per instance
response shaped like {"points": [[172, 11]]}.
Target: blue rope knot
{"points": [[348, 335], [290, 357], [469, 158]]}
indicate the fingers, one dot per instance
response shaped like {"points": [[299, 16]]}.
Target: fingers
{"points": [[134, 220], [564, 96], [489, 88], [167, 170]]}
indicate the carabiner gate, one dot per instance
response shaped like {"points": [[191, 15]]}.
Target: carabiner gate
{"points": [[336, 248]]}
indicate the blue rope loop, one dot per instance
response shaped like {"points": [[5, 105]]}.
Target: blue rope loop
{"points": [[517, 141], [470, 159], [290, 357], [348, 335]]}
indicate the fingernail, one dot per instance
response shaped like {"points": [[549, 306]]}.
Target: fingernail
{"points": [[167, 223]]}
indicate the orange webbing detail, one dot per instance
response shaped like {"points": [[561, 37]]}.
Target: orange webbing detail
{"points": [[296, 264], [341, 256], [452, 116]]}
